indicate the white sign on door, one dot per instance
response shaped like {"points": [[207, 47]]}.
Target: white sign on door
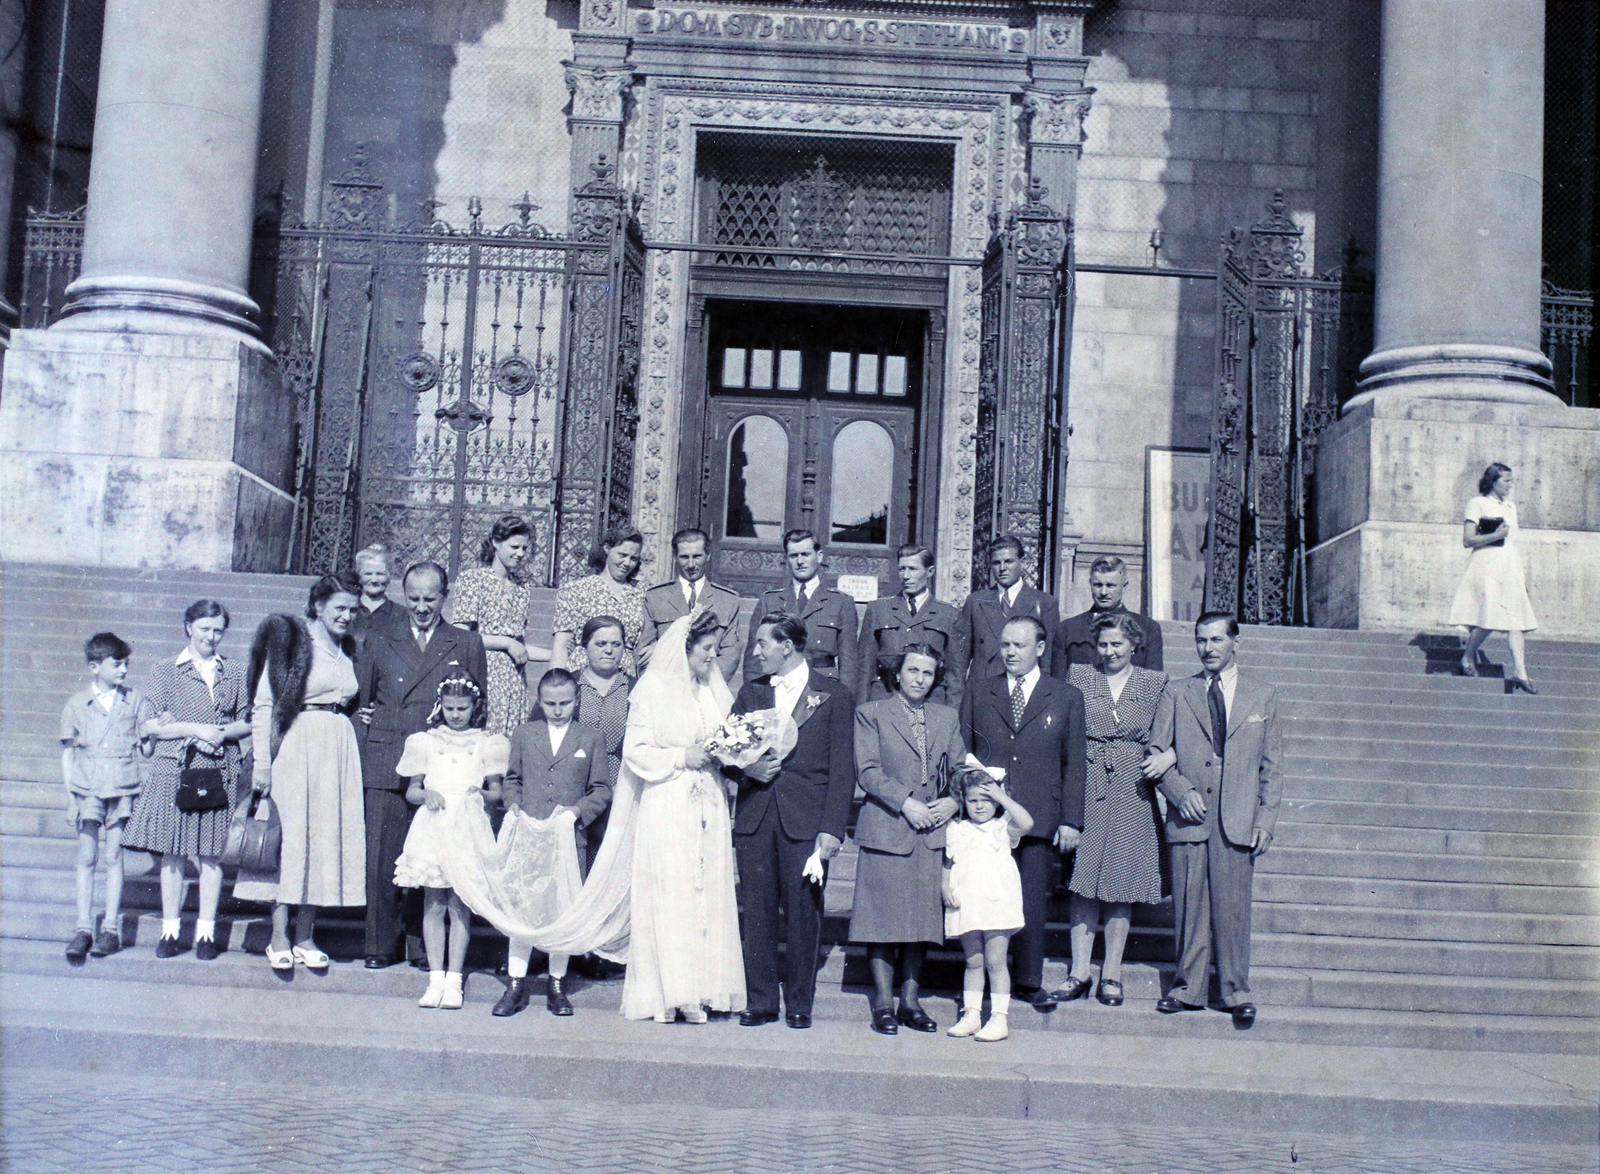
{"points": [[1177, 507]]}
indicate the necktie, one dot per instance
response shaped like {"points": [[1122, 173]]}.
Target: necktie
{"points": [[1019, 702], [1219, 715], [694, 594], [422, 640]]}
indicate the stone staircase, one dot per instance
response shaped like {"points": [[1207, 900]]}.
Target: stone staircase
{"points": [[1434, 874]]}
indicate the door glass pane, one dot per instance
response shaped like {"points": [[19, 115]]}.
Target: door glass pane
{"points": [[894, 375], [863, 477], [733, 366], [839, 371], [788, 370], [867, 374], [761, 368], [758, 475]]}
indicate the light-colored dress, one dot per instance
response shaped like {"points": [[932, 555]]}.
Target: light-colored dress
{"points": [[450, 762], [1493, 593], [499, 607], [983, 877], [316, 786], [684, 950], [581, 600]]}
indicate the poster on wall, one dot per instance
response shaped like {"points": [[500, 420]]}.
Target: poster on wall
{"points": [[1177, 507]]}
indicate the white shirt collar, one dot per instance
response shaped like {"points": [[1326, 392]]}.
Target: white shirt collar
{"points": [[919, 600], [788, 687], [1029, 680], [1008, 595], [558, 735], [689, 589], [810, 586], [206, 668], [1230, 684]]}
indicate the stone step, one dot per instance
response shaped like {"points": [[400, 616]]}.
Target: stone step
{"points": [[1302, 832], [1558, 929], [1466, 794], [1562, 683], [1466, 819], [1459, 959], [62, 853], [1476, 752], [1507, 731], [1474, 868], [1309, 694], [1422, 895], [1487, 713]]}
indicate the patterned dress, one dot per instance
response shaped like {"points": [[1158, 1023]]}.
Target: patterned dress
{"points": [[1118, 857], [581, 600], [499, 607], [607, 716], [157, 824]]}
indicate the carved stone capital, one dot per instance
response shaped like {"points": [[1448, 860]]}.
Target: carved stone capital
{"points": [[1057, 119], [597, 93]]}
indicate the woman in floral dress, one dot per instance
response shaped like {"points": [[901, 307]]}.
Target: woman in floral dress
{"points": [[494, 600], [611, 592]]}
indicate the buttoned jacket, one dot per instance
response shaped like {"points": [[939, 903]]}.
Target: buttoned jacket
{"points": [[575, 776], [983, 618], [1045, 755], [889, 771], [399, 681], [665, 603], [1244, 786], [889, 625], [817, 780], [831, 626]]}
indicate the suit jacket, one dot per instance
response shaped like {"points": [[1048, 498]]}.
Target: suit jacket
{"points": [[576, 777], [814, 788], [399, 682], [362, 624], [983, 619], [831, 626], [1074, 642], [664, 603], [1246, 785], [889, 626], [1045, 756], [889, 771]]}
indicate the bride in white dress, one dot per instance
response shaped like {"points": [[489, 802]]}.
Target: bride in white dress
{"points": [[660, 896]]}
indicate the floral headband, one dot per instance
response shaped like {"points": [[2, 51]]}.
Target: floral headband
{"points": [[465, 684]]}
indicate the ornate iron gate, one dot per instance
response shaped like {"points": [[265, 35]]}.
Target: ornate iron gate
{"points": [[1024, 339], [433, 365], [1288, 343]]}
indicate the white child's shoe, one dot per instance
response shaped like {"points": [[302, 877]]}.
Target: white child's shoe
{"points": [[968, 1024], [435, 991], [996, 1029], [451, 1000]]}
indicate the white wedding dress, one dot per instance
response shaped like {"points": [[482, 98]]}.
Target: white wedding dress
{"points": [[660, 896]]}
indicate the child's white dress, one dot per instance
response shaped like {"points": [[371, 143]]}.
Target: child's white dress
{"points": [[450, 761], [983, 877]]}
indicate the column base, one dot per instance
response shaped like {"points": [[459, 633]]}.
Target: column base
{"points": [[155, 305], [144, 451], [1393, 478], [1463, 371]]}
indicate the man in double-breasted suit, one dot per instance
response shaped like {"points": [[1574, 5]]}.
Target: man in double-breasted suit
{"points": [[986, 613], [399, 669], [1075, 642], [829, 617], [913, 616], [1222, 803], [786, 811], [1032, 725], [669, 601]]}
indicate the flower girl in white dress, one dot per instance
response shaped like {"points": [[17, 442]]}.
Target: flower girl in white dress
{"points": [[983, 898], [452, 766]]}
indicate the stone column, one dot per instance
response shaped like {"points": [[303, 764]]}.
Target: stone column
{"points": [[13, 32], [1456, 379], [1460, 192], [148, 428]]}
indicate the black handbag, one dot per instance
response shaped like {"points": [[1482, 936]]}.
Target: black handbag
{"points": [[255, 838], [200, 788], [1489, 526]]}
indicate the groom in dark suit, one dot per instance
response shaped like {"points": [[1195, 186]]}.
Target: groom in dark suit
{"points": [[399, 669], [1032, 726], [787, 809]]}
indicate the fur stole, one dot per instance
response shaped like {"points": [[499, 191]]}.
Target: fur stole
{"points": [[282, 647]]}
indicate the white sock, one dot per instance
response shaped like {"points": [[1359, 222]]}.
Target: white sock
{"points": [[170, 926], [452, 978], [558, 966], [517, 965], [435, 978], [972, 991], [205, 930]]}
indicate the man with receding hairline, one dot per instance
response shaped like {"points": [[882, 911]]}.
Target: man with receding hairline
{"points": [[1074, 641]]}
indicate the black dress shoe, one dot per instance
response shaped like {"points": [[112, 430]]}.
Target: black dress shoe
{"points": [[883, 1022], [918, 1020], [1075, 988], [515, 999], [379, 962], [82, 942], [555, 998], [1171, 1005], [167, 948], [1110, 992], [799, 1020], [1038, 998], [1243, 1015], [757, 1018], [205, 949]]}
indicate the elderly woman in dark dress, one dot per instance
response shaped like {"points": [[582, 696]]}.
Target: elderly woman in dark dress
{"points": [[603, 701], [1118, 856], [904, 745], [204, 710]]}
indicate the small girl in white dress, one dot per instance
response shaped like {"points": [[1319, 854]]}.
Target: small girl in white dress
{"points": [[452, 766], [983, 898]]}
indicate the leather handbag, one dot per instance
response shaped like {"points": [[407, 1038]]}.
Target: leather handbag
{"points": [[200, 788], [1489, 526], [255, 837]]}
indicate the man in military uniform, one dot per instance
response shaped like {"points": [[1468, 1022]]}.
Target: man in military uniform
{"points": [[691, 550], [1074, 641], [987, 612], [830, 617], [913, 616]]}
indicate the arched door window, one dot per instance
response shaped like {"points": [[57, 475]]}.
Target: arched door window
{"points": [[863, 483], [758, 467]]}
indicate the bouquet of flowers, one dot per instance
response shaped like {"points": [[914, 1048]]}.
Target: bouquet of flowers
{"points": [[745, 737]]}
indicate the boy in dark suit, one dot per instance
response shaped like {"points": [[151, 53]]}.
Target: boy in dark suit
{"points": [[986, 613], [555, 763], [786, 810], [1031, 725]]}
